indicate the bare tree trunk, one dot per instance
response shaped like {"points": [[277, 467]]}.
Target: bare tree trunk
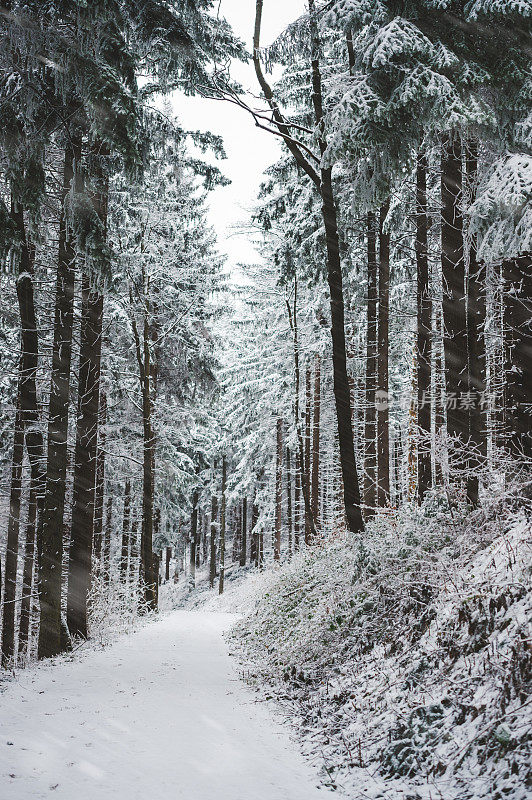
{"points": [[439, 396], [80, 556], [13, 527], [108, 535], [168, 552], [518, 353], [476, 353], [51, 547], [222, 526], [255, 534], [334, 276], [244, 536], [214, 530], [316, 441], [454, 303], [289, 517], [27, 575], [303, 447], [383, 398], [297, 504], [306, 463], [145, 379], [100, 482], [424, 325], [278, 491], [370, 432], [124, 551], [193, 538], [134, 551]]}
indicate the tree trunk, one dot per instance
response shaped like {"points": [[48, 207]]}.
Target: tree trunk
{"points": [[100, 482], [29, 361], [254, 535], [454, 303], [85, 459], [27, 575], [289, 517], [86, 453], [316, 441], [51, 547], [148, 464], [518, 346], [476, 383], [297, 504], [278, 492], [108, 535], [334, 276], [424, 326], [244, 536], [222, 527], [124, 551], [133, 551], [383, 398], [193, 538], [167, 564], [13, 527], [214, 528], [370, 426], [306, 463]]}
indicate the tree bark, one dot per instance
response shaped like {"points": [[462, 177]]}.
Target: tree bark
{"points": [[518, 353], [316, 442], [214, 530], [126, 523], [193, 537], [454, 301], [307, 462], [222, 527], [13, 528], [289, 516], [100, 482], [255, 534], [244, 535], [476, 379], [108, 535], [85, 459], [370, 425], [383, 397], [424, 326], [86, 451], [27, 575], [278, 491], [342, 395], [168, 552], [297, 504], [51, 547], [145, 378]]}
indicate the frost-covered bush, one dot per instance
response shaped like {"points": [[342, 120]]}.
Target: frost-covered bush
{"points": [[115, 608], [404, 653]]}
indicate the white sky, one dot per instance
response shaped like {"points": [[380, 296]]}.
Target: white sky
{"points": [[249, 150]]}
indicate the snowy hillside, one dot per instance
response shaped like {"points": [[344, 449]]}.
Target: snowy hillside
{"points": [[403, 658]]}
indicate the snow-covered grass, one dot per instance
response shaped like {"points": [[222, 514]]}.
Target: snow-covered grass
{"points": [[404, 655]]}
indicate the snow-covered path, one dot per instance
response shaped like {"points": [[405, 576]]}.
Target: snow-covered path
{"points": [[161, 714]]}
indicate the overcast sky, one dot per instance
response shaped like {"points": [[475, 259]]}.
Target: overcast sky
{"points": [[249, 150]]}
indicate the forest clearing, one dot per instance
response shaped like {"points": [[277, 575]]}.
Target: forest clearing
{"points": [[266, 399]]}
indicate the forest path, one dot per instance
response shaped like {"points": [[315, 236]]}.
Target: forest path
{"points": [[162, 713]]}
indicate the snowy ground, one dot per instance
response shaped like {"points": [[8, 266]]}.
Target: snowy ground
{"points": [[162, 713]]}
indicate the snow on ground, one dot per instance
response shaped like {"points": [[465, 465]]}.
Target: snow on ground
{"points": [[161, 713]]}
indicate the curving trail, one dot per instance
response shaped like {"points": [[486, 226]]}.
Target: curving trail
{"points": [[161, 714]]}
